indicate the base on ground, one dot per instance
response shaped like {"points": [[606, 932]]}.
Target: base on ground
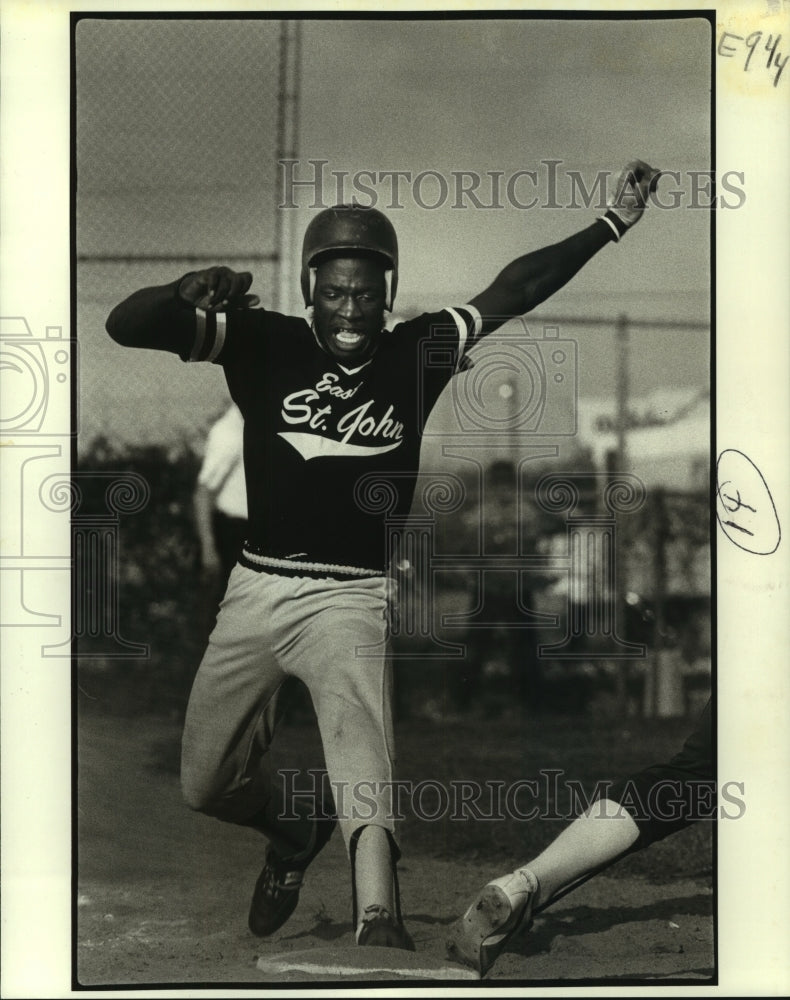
{"points": [[340, 962]]}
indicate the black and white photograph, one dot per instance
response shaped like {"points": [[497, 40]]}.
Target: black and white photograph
{"points": [[393, 581]]}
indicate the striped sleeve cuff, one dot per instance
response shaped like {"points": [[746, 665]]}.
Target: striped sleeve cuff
{"points": [[469, 323], [210, 333]]}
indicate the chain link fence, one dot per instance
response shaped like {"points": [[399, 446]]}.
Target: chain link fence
{"points": [[179, 126]]}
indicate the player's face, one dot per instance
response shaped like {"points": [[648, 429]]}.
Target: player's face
{"points": [[348, 307]]}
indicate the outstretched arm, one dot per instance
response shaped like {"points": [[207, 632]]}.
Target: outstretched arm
{"points": [[163, 317], [533, 278]]}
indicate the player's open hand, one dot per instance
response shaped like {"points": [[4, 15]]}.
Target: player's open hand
{"points": [[217, 289]]}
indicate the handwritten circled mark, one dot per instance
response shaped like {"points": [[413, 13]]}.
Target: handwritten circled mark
{"points": [[744, 505]]}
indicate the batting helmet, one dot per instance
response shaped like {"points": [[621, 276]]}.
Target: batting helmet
{"points": [[349, 227]]}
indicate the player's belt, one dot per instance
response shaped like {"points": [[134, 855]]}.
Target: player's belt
{"points": [[296, 567]]}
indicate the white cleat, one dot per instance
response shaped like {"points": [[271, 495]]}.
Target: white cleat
{"points": [[499, 911]]}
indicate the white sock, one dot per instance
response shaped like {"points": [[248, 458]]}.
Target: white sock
{"points": [[596, 837], [519, 886], [375, 885]]}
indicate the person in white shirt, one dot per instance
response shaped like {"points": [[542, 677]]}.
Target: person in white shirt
{"points": [[220, 500]]}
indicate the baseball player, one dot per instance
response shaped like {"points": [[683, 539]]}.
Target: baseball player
{"points": [[336, 407], [638, 811]]}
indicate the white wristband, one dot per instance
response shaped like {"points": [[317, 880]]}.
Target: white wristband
{"points": [[612, 226]]}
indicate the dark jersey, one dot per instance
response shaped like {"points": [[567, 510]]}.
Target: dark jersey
{"points": [[331, 453]]}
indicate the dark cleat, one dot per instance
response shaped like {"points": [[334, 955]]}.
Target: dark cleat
{"points": [[277, 889]]}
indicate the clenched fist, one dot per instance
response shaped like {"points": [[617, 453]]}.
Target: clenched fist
{"points": [[217, 289], [624, 209]]}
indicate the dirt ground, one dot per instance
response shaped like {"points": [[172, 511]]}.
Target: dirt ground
{"points": [[163, 896]]}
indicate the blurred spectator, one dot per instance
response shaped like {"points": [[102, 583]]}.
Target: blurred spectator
{"points": [[502, 668], [220, 500]]}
